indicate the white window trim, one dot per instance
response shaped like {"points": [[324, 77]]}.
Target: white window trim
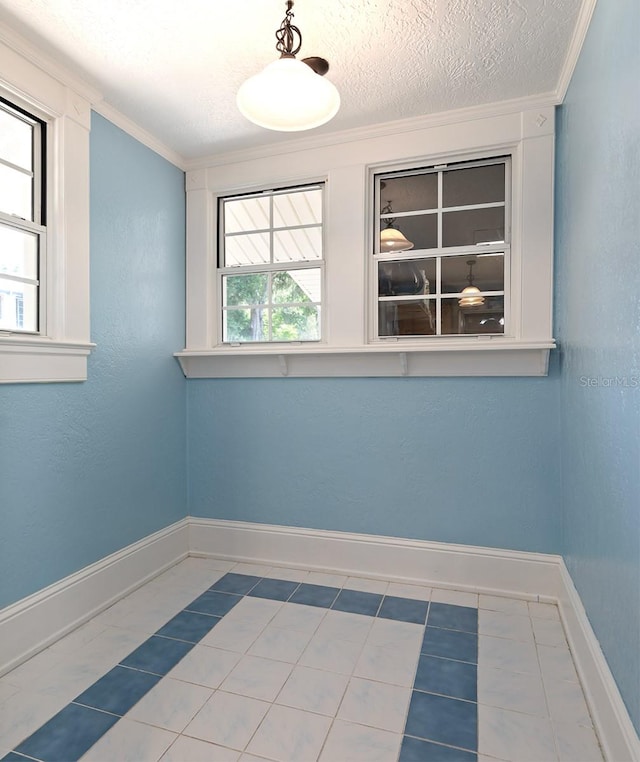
{"points": [[59, 352], [347, 348]]}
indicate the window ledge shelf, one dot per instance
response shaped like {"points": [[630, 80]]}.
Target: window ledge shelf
{"points": [[485, 358], [40, 360]]}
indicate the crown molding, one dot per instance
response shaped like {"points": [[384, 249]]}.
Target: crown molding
{"points": [[383, 129], [575, 47]]}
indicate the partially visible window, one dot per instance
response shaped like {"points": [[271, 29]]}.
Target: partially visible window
{"points": [[441, 252], [271, 265], [22, 218]]}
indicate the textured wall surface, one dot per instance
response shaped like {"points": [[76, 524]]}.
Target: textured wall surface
{"points": [[598, 230], [89, 468], [456, 460]]}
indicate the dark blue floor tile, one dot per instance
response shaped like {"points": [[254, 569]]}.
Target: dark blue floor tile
{"points": [[315, 595], [447, 677], [240, 584], [213, 602], [403, 609], [443, 720], [157, 655], [188, 625], [417, 750], [453, 617], [13, 757], [274, 589], [118, 690], [67, 735], [450, 644], [356, 602]]}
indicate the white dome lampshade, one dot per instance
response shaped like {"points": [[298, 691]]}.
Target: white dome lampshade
{"points": [[470, 297], [288, 96], [392, 239]]}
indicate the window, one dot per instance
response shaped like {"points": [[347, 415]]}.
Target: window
{"points": [[270, 266], [442, 250], [22, 207], [44, 222]]}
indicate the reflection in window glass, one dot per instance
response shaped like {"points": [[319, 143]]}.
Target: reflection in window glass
{"points": [[409, 194], [16, 192], [16, 140], [297, 245], [487, 317], [241, 215], [407, 318], [300, 208], [471, 227], [486, 271], [474, 185]]}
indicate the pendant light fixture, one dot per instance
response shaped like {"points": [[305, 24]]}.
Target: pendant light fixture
{"points": [[470, 294], [289, 95], [392, 239]]}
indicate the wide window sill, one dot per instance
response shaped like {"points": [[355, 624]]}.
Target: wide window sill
{"points": [[42, 360], [483, 357]]}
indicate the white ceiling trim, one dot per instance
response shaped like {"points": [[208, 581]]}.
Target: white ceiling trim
{"points": [[577, 41]]}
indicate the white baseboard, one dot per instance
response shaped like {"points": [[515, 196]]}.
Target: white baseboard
{"points": [[617, 735], [461, 567], [33, 623]]}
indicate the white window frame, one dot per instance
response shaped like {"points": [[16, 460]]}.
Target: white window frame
{"points": [[348, 162], [272, 267], [59, 351]]}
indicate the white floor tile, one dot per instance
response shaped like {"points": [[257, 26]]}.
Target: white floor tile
{"points": [[280, 644], [331, 654], [556, 663], [501, 625], [295, 616], [577, 743], [69, 678], [313, 690], [254, 610], [206, 666], [257, 678], [32, 669], [365, 585], [6, 691], [227, 720], [288, 734], [543, 611], [171, 704], [387, 665], [401, 635], [506, 605], [415, 592], [328, 580], [455, 597], [254, 570], [566, 703], [514, 736], [344, 626], [291, 575], [186, 749], [217, 564], [375, 704], [129, 741], [78, 638], [234, 634], [548, 632], [24, 713], [512, 655], [349, 742], [517, 691], [110, 647]]}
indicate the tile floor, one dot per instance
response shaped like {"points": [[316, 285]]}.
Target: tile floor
{"points": [[218, 661]]}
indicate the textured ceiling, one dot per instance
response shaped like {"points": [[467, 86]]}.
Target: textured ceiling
{"points": [[174, 67]]}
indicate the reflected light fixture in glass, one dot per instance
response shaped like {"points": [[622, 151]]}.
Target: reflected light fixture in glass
{"points": [[470, 295], [392, 239], [289, 95]]}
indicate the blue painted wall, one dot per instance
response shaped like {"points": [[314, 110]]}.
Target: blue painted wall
{"points": [[456, 460], [90, 468], [598, 310]]}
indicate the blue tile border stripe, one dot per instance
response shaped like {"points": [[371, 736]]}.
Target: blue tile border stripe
{"points": [[442, 719]]}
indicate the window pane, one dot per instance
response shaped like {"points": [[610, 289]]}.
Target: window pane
{"points": [[18, 253], [246, 214], [301, 245], [421, 229], [245, 325], [15, 193], [296, 286], [19, 306], [245, 289], [251, 249], [299, 323], [475, 185], [417, 276], [300, 208], [407, 318], [473, 226], [409, 194], [487, 317], [16, 140], [487, 273]]}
